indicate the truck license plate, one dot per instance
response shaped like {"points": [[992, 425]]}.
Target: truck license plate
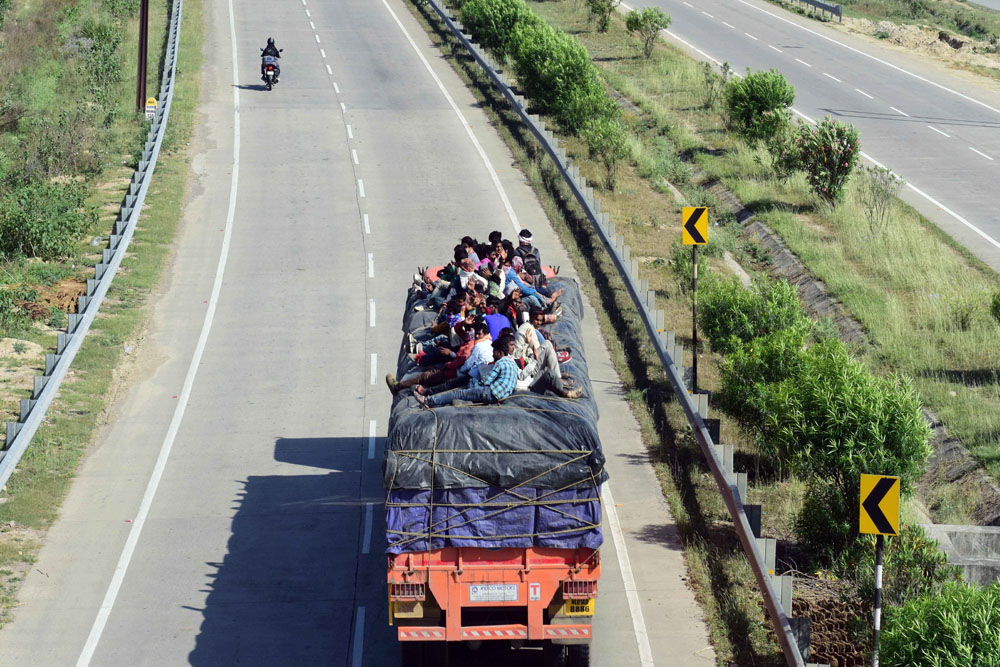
{"points": [[492, 592], [580, 607]]}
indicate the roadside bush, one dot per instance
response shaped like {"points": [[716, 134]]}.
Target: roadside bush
{"points": [[121, 10], [914, 566], [647, 23], [732, 315], [682, 268], [828, 153], [834, 420], [757, 104], [958, 627], [877, 190], [601, 10], [14, 316], [492, 23], [607, 141], [103, 62], [554, 71], [4, 7], [784, 152], [823, 525], [42, 219], [715, 83]]}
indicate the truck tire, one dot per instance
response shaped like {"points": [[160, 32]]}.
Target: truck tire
{"points": [[578, 655], [553, 655], [423, 654]]}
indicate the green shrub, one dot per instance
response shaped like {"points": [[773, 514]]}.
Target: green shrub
{"points": [[995, 306], [554, 70], [757, 104], [601, 10], [731, 314], [103, 62], [958, 627], [14, 315], [492, 23], [647, 23], [121, 10], [607, 141], [914, 565], [832, 419], [42, 219], [828, 153], [682, 268], [823, 525]]}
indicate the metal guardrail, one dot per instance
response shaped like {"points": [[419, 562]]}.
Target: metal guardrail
{"points": [[33, 410], [664, 343], [835, 10]]}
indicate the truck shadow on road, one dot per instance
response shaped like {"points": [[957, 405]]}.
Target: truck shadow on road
{"points": [[287, 590]]}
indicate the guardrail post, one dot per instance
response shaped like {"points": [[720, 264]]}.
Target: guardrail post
{"points": [[768, 549], [12, 429], [26, 405], [50, 362], [753, 518], [39, 384]]}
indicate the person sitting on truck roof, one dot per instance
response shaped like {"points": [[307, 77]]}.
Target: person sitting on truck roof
{"points": [[493, 388], [451, 375]]}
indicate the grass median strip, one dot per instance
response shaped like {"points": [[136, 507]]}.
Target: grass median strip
{"points": [[33, 495]]}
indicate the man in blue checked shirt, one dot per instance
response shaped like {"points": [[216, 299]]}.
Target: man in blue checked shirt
{"points": [[497, 385]]}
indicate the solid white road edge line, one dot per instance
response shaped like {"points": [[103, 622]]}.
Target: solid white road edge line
{"points": [[366, 543], [371, 438], [868, 55], [357, 653], [468, 129], [168, 441], [628, 579]]}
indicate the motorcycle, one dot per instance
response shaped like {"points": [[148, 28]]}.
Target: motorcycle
{"points": [[270, 70]]}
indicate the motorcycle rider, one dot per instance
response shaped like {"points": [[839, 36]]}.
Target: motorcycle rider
{"points": [[270, 50]]}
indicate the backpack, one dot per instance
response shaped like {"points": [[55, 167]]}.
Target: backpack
{"points": [[533, 267]]}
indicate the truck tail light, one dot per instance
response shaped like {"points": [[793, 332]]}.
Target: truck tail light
{"points": [[579, 589]]}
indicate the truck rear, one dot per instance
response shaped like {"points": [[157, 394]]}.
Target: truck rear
{"points": [[493, 515]]}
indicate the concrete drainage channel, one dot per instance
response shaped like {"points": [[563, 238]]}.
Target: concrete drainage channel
{"points": [[33, 410], [775, 590]]}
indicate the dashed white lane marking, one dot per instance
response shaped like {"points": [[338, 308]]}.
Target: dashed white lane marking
{"points": [[729, 25], [368, 230], [354, 155], [312, 25], [308, 14], [371, 312], [631, 592], [343, 107], [322, 53], [135, 530], [939, 131], [371, 265], [775, 48], [708, 15], [357, 653], [751, 36], [361, 188], [981, 153], [374, 367], [303, 3], [366, 544], [350, 132], [868, 55], [336, 88], [689, 5], [864, 93], [832, 77], [317, 38], [371, 438], [803, 62], [330, 72], [468, 129], [900, 112], [695, 48]]}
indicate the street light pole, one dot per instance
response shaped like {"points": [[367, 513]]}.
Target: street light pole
{"points": [[140, 76]]}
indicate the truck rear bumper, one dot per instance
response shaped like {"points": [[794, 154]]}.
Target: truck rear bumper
{"points": [[560, 633]]}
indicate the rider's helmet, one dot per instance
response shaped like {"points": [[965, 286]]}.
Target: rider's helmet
{"points": [[270, 41]]}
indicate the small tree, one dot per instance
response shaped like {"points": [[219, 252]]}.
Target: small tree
{"points": [[995, 306], [877, 189], [492, 22], [757, 105], [607, 140], [715, 82], [647, 23], [828, 153], [601, 10], [732, 315]]}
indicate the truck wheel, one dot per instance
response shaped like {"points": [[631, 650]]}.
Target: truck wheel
{"points": [[578, 655], [553, 655]]}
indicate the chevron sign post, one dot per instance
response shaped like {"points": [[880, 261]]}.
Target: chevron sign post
{"points": [[879, 516], [694, 232]]}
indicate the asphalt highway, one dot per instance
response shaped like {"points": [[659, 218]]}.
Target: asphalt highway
{"points": [[938, 129], [230, 513]]}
